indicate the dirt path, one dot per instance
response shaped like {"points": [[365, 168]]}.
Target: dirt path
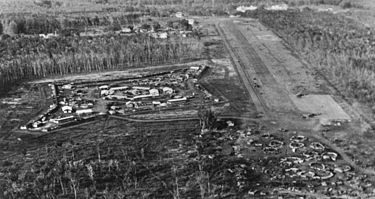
{"points": [[178, 119], [256, 99], [116, 74], [272, 95], [155, 120]]}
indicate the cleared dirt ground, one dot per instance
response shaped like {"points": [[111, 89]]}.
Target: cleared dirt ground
{"points": [[277, 130], [288, 90]]}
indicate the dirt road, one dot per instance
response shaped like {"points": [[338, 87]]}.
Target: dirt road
{"points": [[246, 80], [273, 75], [269, 95]]}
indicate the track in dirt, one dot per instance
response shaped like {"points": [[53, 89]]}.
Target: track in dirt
{"points": [[245, 79], [252, 69]]}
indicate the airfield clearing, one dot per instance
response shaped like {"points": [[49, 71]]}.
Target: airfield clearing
{"points": [[253, 120]]}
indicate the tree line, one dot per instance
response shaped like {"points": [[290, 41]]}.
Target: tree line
{"points": [[69, 55], [42, 24]]}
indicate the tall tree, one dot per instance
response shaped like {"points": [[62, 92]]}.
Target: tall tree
{"points": [[12, 28]]}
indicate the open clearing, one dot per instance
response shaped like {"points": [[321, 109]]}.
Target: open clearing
{"points": [[251, 120], [322, 105], [286, 88]]}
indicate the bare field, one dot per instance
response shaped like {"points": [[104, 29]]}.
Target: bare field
{"points": [[249, 119], [281, 77], [20, 106], [322, 105]]}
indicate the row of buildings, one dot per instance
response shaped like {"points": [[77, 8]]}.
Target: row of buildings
{"points": [[77, 102]]}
